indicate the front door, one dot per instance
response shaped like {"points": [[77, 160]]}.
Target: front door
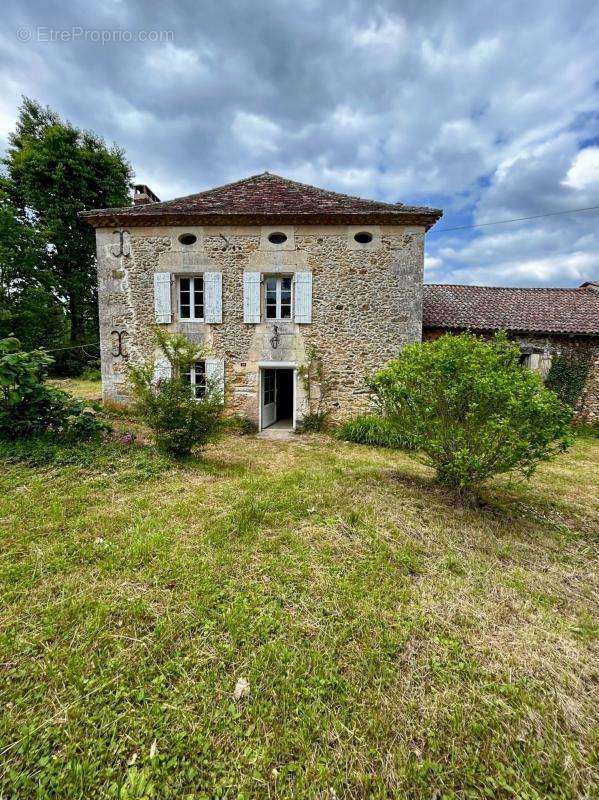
{"points": [[269, 397]]}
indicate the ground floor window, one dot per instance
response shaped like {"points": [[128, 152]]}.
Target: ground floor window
{"points": [[196, 377]]}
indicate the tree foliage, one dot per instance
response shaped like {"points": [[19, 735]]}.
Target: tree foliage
{"points": [[178, 419], [54, 170], [29, 406], [471, 409]]}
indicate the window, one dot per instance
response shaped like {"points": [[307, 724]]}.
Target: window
{"points": [[188, 238], [278, 297], [277, 237], [363, 237], [269, 387], [191, 298], [196, 377]]}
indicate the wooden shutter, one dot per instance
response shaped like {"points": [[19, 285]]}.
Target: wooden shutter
{"points": [[162, 297], [251, 297], [303, 297], [162, 368], [215, 375], [213, 297]]}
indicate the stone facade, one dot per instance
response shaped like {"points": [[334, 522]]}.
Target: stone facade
{"points": [[366, 303]]}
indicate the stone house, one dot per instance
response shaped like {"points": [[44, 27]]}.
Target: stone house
{"points": [[269, 274], [544, 322]]}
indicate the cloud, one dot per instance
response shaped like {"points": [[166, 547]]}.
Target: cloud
{"points": [[488, 110], [255, 133], [584, 172]]}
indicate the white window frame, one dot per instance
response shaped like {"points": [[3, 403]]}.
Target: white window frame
{"points": [[279, 279], [192, 279], [193, 378]]}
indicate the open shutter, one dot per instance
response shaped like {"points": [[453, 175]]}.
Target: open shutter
{"points": [[215, 375], [251, 297], [213, 297], [303, 297], [162, 368], [162, 297]]}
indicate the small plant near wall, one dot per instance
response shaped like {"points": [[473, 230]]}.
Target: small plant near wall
{"points": [[317, 388], [179, 417], [567, 376]]}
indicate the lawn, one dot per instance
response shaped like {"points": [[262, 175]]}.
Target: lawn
{"points": [[395, 643]]}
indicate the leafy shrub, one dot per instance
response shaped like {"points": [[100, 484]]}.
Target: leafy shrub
{"points": [[471, 409], [178, 420], [29, 407], [374, 430], [91, 372], [567, 376], [315, 421]]}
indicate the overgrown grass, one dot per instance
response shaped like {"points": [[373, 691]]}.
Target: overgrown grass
{"points": [[372, 429], [395, 643]]}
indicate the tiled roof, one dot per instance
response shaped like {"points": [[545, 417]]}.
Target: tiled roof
{"points": [[264, 198], [487, 308]]}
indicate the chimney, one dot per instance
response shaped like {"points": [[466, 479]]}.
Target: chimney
{"points": [[142, 195]]}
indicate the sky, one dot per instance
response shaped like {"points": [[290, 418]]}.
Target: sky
{"points": [[489, 110]]}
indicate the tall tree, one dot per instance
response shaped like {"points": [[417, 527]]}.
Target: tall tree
{"points": [[54, 171], [29, 306]]}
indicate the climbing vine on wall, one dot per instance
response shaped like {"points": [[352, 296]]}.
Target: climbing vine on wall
{"points": [[317, 387], [567, 376]]}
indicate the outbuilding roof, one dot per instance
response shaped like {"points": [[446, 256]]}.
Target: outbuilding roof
{"points": [[264, 199], [489, 308]]}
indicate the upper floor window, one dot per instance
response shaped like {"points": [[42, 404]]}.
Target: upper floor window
{"points": [[191, 298], [196, 377], [278, 297]]}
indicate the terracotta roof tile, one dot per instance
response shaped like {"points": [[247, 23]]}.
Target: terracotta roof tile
{"points": [[261, 198], [486, 308]]}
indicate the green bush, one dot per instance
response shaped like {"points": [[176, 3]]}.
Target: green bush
{"points": [[178, 420], [471, 409], [29, 407], [374, 430], [315, 421]]}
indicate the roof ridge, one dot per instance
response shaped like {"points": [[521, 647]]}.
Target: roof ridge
{"points": [[269, 175], [207, 191], [328, 191], [506, 288]]}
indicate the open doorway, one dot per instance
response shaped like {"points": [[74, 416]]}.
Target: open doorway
{"points": [[277, 398]]}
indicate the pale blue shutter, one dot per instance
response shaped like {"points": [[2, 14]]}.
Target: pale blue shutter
{"points": [[215, 375], [303, 297], [251, 297], [213, 297], [162, 297]]}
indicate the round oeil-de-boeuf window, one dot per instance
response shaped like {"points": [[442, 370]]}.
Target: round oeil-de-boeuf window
{"points": [[277, 238]]}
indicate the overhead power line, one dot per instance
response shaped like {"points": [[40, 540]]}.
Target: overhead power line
{"points": [[73, 347], [515, 219]]}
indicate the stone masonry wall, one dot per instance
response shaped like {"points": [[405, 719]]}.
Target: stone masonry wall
{"points": [[366, 303]]}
